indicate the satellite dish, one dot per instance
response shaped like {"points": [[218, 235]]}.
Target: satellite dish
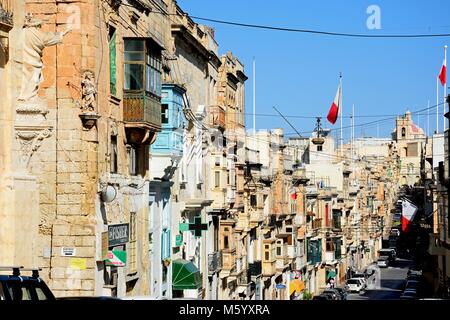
{"points": [[108, 194]]}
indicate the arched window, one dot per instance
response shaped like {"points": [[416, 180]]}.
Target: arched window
{"points": [[403, 132]]}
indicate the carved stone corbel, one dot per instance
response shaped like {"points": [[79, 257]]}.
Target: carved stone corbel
{"points": [[30, 139]]}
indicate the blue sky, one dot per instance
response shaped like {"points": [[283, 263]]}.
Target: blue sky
{"points": [[298, 73]]}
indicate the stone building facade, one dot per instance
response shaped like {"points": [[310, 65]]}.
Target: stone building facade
{"points": [[87, 175]]}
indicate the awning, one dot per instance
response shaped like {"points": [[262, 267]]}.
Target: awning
{"points": [[185, 275], [296, 286], [331, 274]]}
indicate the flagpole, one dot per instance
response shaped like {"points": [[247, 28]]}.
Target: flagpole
{"points": [[428, 119], [254, 96], [437, 104], [341, 109], [445, 85], [353, 134]]}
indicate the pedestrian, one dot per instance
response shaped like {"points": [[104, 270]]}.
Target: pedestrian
{"points": [[332, 283]]}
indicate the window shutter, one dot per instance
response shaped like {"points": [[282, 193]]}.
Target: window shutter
{"points": [[112, 64]]}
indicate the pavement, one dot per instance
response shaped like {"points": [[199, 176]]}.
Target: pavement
{"points": [[389, 286]]}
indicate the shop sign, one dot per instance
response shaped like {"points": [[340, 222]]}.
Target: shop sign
{"points": [[178, 240], [68, 252], [116, 258], [118, 234]]}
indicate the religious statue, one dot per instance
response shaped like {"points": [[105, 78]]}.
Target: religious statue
{"points": [[89, 92], [35, 41]]}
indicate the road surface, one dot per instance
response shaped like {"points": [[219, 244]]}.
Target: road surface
{"points": [[390, 286]]}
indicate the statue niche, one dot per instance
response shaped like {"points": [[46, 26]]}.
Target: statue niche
{"points": [[30, 123], [35, 41], [88, 114]]}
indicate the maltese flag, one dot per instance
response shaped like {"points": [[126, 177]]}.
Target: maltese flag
{"points": [[443, 73], [334, 110], [408, 212]]}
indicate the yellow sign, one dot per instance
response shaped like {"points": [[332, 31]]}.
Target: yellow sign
{"points": [[105, 241], [78, 263]]}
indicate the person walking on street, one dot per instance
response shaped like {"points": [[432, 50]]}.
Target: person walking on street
{"points": [[332, 283]]}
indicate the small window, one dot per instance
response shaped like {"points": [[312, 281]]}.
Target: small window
{"points": [[403, 132], [253, 201], [319, 148], [330, 245], [217, 179], [164, 113], [279, 250], [266, 255], [132, 160], [114, 154], [225, 242]]}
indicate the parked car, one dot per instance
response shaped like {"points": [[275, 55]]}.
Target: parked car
{"points": [[411, 283], [390, 253], [334, 293], [413, 277], [409, 295], [355, 284], [395, 232], [383, 262], [343, 293], [410, 290], [322, 297], [143, 298], [88, 298], [361, 276], [18, 287]]}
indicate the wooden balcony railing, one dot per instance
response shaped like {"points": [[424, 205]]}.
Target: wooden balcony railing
{"points": [[142, 109], [228, 260], [317, 223]]}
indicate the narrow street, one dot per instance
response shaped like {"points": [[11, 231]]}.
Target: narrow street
{"points": [[392, 280]]}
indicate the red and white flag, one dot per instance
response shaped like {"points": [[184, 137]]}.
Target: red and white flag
{"points": [[443, 73], [408, 212], [293, 193], [334, 110]]}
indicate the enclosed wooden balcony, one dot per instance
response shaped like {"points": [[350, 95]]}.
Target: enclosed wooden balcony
{"points": [[142, 116], [217, 117], [269, 268], [229, 260]]}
